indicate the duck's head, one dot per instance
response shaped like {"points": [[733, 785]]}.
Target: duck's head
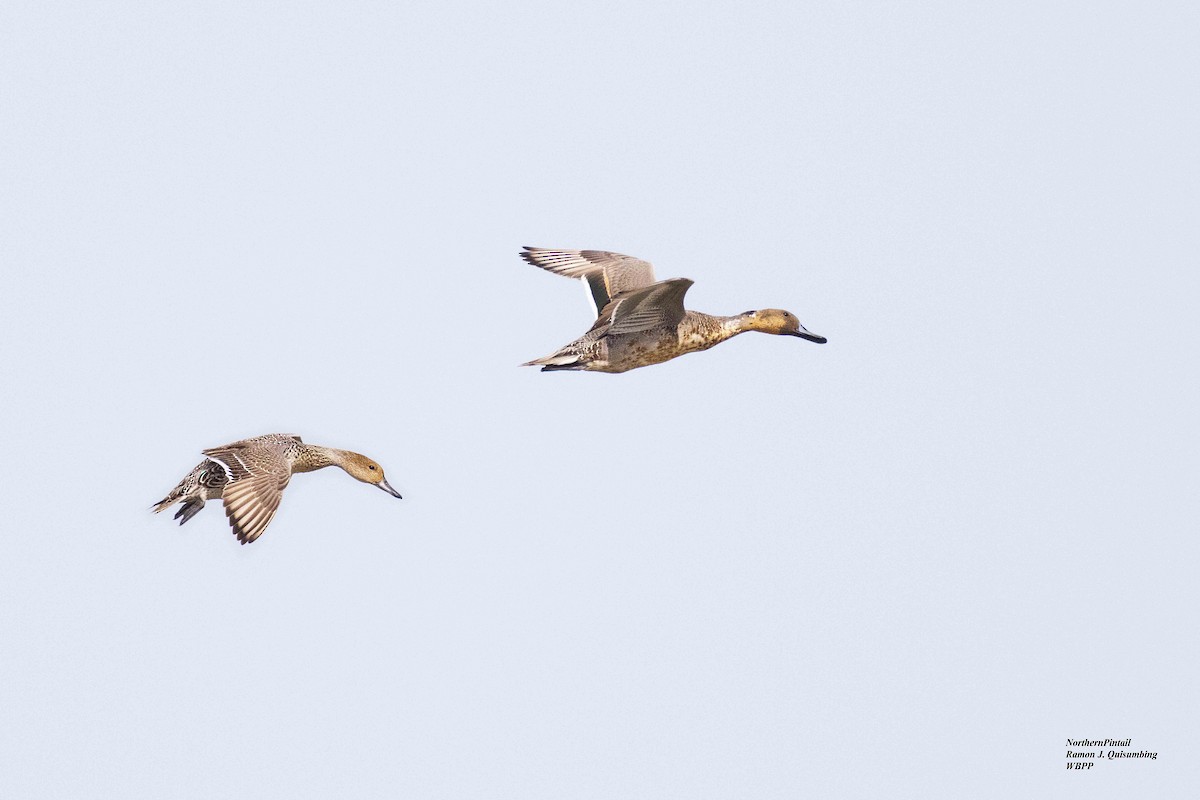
{"points": [[364, 469], [779, 322]]}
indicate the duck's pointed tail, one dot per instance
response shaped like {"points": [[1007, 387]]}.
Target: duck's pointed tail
{"points": [[167, 502], [190, 506], [557, 361], [203, 483]]}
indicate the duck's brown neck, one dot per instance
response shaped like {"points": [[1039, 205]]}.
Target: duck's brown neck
{"points": [[313, 457], [701, 331], [748, 321], [732, 326]]}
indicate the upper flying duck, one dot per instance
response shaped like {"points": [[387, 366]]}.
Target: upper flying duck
{"points": [[641, 321], [250, 477]]}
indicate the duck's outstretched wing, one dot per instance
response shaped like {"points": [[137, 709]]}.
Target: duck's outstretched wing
{"points": [[605, 274], [258, 474], [659, 305]]}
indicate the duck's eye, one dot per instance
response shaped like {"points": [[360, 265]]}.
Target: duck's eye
{"points": [[372, 466]]}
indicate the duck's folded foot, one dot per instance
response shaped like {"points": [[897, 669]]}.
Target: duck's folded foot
{"points": [[189, 509]]}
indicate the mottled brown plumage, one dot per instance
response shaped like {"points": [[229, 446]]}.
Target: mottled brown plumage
{"points": [[250, 477], [641, 321]]}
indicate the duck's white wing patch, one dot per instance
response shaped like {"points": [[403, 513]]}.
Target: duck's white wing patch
{"points": [[591, 297]]}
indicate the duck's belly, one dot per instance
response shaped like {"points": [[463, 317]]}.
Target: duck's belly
{"points": [[626, 353]]}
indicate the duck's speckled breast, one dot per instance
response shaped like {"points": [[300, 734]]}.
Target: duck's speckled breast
{"points": [[654, 347]]}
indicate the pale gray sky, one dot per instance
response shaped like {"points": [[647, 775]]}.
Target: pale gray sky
{"points": [[909, 563]]}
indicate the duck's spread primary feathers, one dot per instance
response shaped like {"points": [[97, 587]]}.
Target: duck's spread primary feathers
{"points": [[250, 477], [641, 321]]}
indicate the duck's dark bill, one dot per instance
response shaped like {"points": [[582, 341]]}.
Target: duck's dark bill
{"points": [[812, 337], [388, 488]]}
